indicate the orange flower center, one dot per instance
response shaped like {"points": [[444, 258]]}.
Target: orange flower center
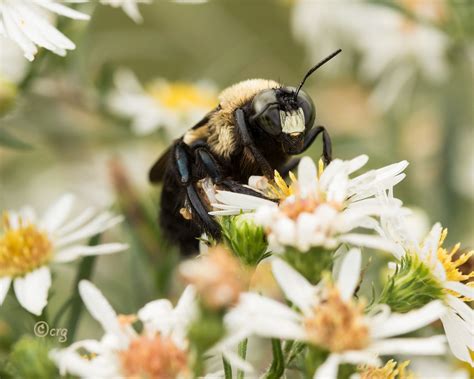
{"points": [[153, 358], [23, 248], [338, 325]]}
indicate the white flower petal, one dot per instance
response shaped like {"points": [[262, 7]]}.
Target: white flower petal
{"points": [[435, 345], [461, 308], [4, 287], [460, 338], [58, 213], [72, 253], [349, 274], [398, 324], [99, 307], [373, 242], [329, 369], [32, 290], [296, 288], [307, 176], [460, 288]]}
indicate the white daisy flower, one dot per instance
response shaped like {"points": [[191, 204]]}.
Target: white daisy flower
{"points": [[130, 7], [27, 23], [28, 245], [174, 106], [351, 337], [408, 49], [442, 274], [319, 207], [161, 350]]}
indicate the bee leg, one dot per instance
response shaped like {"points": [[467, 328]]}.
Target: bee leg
{"points": [[327, 146], [248, 144], [184, 171], [289, 166], [212, 168]]}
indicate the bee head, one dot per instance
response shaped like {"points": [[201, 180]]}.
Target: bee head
{"points": [[286, 113]]}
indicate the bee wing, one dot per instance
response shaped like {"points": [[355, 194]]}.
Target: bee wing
{"points": [[157, 172]]}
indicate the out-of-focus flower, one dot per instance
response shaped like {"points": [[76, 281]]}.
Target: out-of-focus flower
{"points": [[328, 317], [174, 106], [428, 271], [408, 49], [12, 70], [12, 64], [430, 367], [319, 207], [161, 350], [130, 7], [27, 23], [218, 276], [391, 370], [28, 246]]}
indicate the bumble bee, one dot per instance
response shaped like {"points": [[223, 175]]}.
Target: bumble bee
{"points": [[254, 130]]}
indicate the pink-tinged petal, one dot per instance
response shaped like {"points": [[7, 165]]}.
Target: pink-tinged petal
{"points": [[349, 274], [32, 290], [4, 287], [295, 287]]}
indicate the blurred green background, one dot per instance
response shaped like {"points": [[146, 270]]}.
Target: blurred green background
{"points": [[62, 137]]}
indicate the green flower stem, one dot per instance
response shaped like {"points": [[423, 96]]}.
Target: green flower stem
{"points": [[242, 350], [84, 272], [227, 369], [277, 368], [310, 264]]}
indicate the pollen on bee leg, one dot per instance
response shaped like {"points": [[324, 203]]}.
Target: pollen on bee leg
{"points": [[186, 213]]}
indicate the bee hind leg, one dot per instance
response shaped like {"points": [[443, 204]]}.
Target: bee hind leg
{"points": [[184, 170]]}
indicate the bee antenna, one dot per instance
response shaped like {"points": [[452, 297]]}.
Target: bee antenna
{"points": [[314, 68]]}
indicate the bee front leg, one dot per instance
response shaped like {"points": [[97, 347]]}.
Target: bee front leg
{"points": [[248, 144], [183, 165], [327, 146]]}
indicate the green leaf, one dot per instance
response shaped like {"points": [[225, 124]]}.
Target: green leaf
{"points": [[12, 142]]}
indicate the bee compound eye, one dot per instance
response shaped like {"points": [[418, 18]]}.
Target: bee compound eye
{"points": [[265, 112]]}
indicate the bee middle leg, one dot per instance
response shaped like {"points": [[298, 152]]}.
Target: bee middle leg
{"points": [[211, 167]]}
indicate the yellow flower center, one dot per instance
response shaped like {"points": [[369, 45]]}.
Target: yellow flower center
{"points": [[452, 262], [180, 97], [279, 189], [23, 248], [153, 358], [337, 325], [389, 371]]}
